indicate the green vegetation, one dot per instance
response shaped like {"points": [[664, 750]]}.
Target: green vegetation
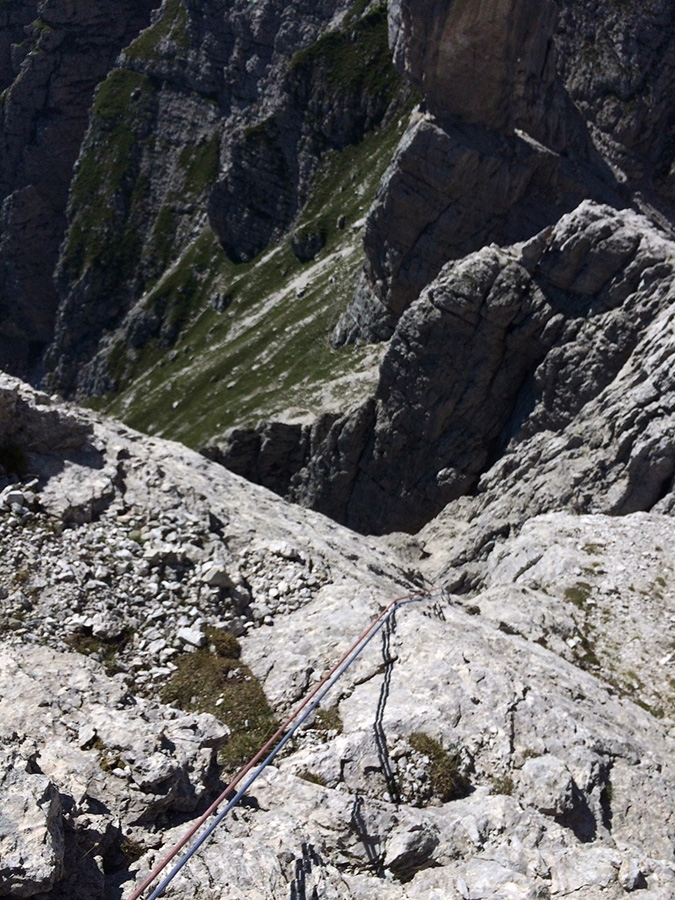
{"points": [[233, 367], [171, 27], [106, 176], [503, 784], [356, 59], [214, 680], [131, 850], [312, 777], [578, 594], [193, 371], [592, 549], [356, 11], [109, 761], [656, 711], [21, 576], [448, 780], [106, 650], [328, 720], [39, 26], [587, 657], [200, 164]]}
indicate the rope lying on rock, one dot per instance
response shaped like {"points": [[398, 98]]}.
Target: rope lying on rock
{"points": [[298, 716]]}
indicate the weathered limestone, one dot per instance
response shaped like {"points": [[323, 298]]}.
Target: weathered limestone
{"points": [[520, 372], [530, 107], [543, 693]]}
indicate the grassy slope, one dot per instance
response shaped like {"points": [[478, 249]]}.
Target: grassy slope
{"points": [[268, 355]]}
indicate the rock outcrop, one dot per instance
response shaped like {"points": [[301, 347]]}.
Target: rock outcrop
{"points": [[531, 107], [514, 740], [52, 56], [514, 364]]}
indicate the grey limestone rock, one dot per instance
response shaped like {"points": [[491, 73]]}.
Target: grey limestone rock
{"points": [[84, 763], [536, 374], [527, 686], [55, 62], [530, 107], [31, 827]]}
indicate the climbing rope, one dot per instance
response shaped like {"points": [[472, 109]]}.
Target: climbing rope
{"points": [[298, 716]]}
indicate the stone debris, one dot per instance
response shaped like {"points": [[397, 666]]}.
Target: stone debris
{"points": [[466, 754]]}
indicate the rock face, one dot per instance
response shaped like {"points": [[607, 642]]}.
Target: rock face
{"points": [[506, 741], [108, 758], [53, 54], [514, 363], [216, 119], [519, 312], [531, 106], [440, 46]]}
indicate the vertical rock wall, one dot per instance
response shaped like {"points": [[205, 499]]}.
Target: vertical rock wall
{"points": [[531, 107], [52, 55]]}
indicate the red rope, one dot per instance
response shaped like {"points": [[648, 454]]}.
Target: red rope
{"points": [[262, 752]]}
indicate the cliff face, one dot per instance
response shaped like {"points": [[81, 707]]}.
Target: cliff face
{"points": [[531, 108], [507, 349], [217, 120], [218, 199], [523, 132], [213, 124], [52, 55]]}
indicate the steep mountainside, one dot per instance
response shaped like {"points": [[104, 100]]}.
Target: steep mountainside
{"points": [[494, 351], [220, 132], [552, 350], [204, 147], [52, 56], [515, 741], [475, 200]]}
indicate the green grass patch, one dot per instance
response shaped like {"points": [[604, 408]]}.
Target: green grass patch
{"points": [[270, 351], [592, 549], [214, 674], [106, 174], [131, 850], [312, 777], [107, 650], [328, 720], [503, 784], [586, 655], [356, 59], [656, 711], [578, 594], [171, 26], [448, 779], [200, 164]]}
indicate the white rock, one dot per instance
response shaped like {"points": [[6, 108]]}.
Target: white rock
{"points": [[192, 636]]}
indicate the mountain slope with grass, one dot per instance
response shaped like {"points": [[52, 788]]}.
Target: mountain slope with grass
{"points": [[216, 211]]}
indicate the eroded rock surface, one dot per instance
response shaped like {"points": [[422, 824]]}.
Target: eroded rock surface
{"points": [[511, 740], [531, 106], [536, 375], [54, 54]]}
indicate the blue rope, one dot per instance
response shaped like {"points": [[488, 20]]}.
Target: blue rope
{"points": [[159, 890]]}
